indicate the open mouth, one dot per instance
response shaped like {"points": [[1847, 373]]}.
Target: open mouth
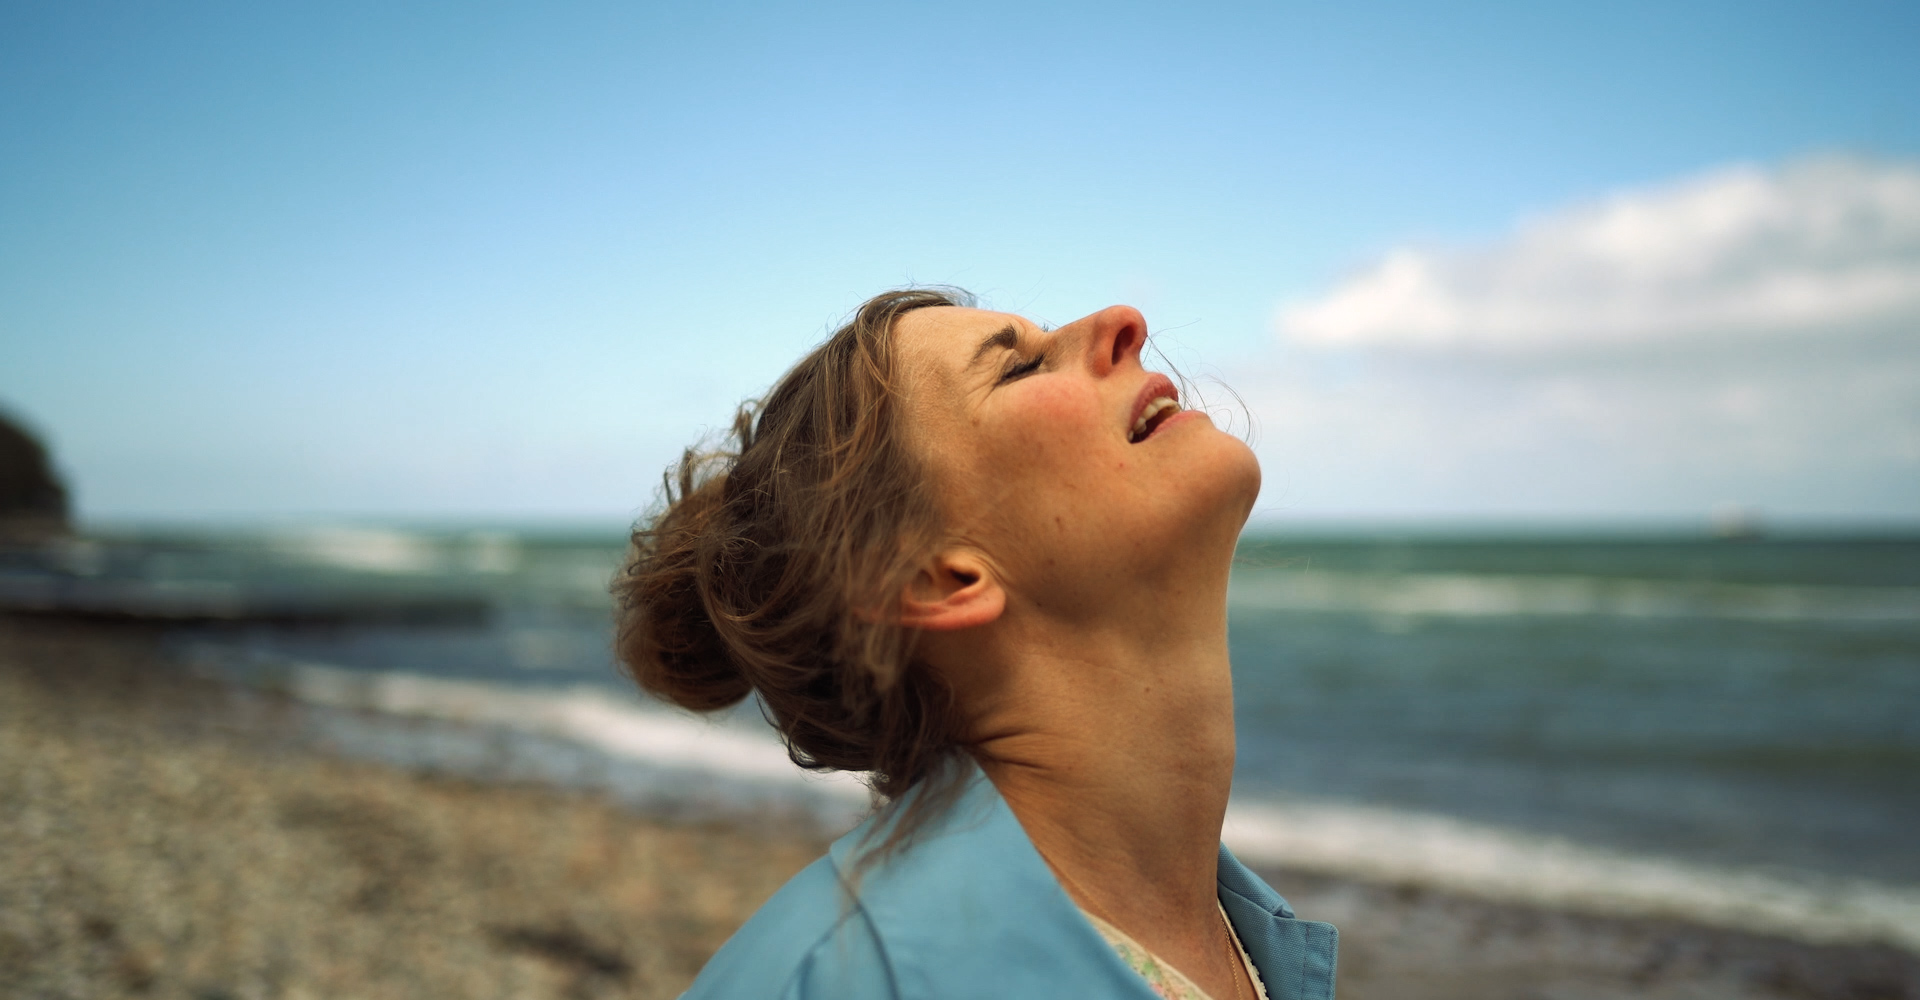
{"points": [[1158, 402]]}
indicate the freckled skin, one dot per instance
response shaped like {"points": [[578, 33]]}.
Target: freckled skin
{"points": [[1091, 660], [1049, 452]]}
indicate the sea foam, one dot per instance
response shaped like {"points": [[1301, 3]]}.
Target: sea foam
{"points": [[1484, 595], [1372, 843], [1438, 852], [593, 717]]}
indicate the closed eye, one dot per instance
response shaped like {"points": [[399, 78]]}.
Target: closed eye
{"points": [[1022, 369]]}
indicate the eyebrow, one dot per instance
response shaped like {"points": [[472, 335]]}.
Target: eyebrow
{"points": [[1006, 338]]}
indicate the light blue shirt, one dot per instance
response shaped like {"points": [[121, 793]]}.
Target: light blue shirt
{"points": [[970, 910]]}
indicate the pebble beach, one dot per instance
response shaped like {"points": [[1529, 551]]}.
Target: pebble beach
{"points": [[166, 835]]}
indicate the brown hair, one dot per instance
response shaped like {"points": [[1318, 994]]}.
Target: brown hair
{"points": [[771, 564]]}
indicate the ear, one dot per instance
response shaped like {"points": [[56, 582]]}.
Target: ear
{"points": [[956, 590]]}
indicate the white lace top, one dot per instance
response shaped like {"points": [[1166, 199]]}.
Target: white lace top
{"points": [[1167, 981]]}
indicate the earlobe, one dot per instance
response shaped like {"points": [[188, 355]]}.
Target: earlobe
{"points": [[957, 591]]}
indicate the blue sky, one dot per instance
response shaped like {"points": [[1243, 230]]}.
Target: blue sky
{"points": [[501, 261]]}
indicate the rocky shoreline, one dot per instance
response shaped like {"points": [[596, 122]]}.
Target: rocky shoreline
{"points": [[167, 836], [162, 840]]}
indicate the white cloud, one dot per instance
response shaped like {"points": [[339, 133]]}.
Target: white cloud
{"points": [[1818, 246], [1748, 336]]}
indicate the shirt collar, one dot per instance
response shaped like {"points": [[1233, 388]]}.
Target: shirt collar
{"points": [[968, 907]]}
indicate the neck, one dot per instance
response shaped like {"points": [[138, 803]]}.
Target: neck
{"points": [[1113, 744], [1126, 789]]}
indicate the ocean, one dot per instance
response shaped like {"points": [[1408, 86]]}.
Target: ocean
{"points": [[1725, 730]]}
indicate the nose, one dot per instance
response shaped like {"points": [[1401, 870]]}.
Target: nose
{"points": [[1116, 336]]}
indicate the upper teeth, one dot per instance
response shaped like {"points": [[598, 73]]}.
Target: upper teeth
{"points": [[1160, 405]]}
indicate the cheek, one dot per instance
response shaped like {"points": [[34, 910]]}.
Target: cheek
{"points": [[1037, 467], [1057, 467], [1054, 428]]}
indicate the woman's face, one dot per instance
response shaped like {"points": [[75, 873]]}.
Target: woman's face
{"points": [[1064, 463]]}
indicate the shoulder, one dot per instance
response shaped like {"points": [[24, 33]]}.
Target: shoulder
{"points": [[811, 940], [966, 909]]}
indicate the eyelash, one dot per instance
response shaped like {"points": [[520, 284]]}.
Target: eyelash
{"points": [[1023, 369]]}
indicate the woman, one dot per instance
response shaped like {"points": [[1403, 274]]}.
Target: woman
{"points": [[985, 562]]}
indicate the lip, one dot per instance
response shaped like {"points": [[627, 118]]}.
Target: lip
{"points": [[1157, 385]]}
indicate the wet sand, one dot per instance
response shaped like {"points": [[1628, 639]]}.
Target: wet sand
{"points": [[166, 836]]}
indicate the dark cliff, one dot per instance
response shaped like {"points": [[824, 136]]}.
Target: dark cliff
{"points": [[33, 501]]}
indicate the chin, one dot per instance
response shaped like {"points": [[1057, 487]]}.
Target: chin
{"points": [[1226, 469], [1220, 481], [1244, 471], [1244, 491]]}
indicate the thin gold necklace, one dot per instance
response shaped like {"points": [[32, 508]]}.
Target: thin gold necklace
{"points": [[1233, 957], [1233, 954]]}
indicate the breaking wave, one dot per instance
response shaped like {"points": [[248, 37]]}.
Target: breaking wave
{"points": [[1483, 595], [1371, 843], [1438, 852]]}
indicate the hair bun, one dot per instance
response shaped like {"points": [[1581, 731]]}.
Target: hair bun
{"points": [[666, 638], [763, 567]]}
